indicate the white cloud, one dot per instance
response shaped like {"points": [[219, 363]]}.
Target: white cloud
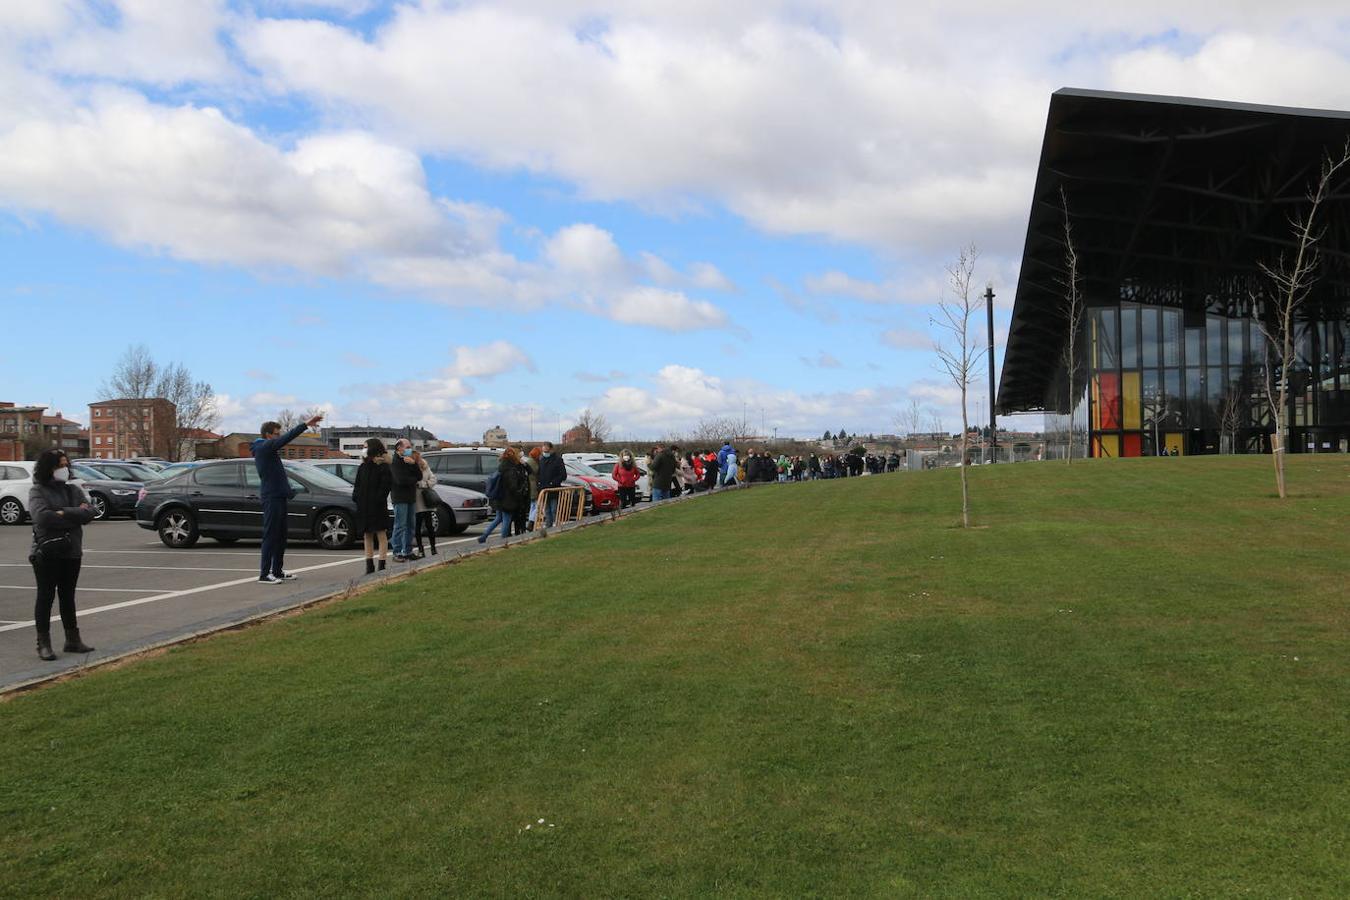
{"points": [[160, 42], [668, 310], [707, 276], [189, 182], [587, 252], [488, 360]]}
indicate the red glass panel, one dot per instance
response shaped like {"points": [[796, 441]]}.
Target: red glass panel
{"points": [[1133, 445], [1110, 401]]}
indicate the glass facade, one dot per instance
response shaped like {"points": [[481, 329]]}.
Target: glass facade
{"points": [[1159, 382]]}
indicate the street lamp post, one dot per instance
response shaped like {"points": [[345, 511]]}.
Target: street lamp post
{"points": [[993, 413]]}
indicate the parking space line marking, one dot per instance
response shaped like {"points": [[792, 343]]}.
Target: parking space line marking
{"points": [[30, 587], [211, 552], [183, 593], [141, 568]]}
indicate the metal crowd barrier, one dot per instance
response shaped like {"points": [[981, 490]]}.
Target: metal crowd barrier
{"points": [[571, 506]]}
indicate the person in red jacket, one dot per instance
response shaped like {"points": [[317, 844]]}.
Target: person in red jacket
{"points": [[626, 475]]}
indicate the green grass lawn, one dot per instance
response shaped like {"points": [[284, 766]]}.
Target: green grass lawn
{"points": [[1132, 680]]}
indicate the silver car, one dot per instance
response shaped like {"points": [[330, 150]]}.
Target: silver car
{"points": [[459, 508]]}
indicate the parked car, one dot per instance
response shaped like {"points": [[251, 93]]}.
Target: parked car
{"points": [[459, 507], [108, 496], [603, 492], [219, 499], [16, 479], [118, 469]]}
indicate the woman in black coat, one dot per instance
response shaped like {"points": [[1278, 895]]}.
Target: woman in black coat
{"points": [[371, 494], [60, 511]]}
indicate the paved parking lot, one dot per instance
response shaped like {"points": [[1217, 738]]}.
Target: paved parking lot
{"points": [[135, 593]]}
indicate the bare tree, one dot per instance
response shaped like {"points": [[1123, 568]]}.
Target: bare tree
{"points": [[1071, 308], [1291, 281], [711, 432], [289, 418], [194, 403], [138, 377], [909, 421], [594, 425], [1231, 409], [959, 351]]}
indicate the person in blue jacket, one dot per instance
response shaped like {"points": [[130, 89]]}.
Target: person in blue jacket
{"points": [[275, 491]]}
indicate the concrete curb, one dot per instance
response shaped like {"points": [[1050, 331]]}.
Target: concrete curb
{"points": [[294, 604]]}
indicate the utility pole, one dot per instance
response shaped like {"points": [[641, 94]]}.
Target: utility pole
{"points": [[993, 414]]}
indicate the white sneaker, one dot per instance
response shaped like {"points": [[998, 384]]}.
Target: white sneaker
{"points": [[269, 578], [287, 576]]}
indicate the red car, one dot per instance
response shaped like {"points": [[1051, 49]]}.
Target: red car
{"points": [[604, 492]]}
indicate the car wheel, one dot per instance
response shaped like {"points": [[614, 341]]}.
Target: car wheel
{"points": [[11, 511], [444, 521], [99, 504], [177, 529], [334, 530]]}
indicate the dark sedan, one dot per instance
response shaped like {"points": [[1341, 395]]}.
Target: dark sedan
{"points": [[108, 496], [220, 500]]}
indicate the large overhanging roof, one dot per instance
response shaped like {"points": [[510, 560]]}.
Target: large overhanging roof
{"points": [[1177, 194]]}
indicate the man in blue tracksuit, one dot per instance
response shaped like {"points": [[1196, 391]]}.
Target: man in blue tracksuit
{"points": [[275, 491]]}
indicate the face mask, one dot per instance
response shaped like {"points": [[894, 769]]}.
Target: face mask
{"points": [[407, 453], [547, 455], [62, 474]]}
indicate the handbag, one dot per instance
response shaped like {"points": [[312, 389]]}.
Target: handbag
{"points": [[430, 497], [47, 549]]}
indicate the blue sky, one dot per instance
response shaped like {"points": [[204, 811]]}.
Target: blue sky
{"points": [[463, 215]]}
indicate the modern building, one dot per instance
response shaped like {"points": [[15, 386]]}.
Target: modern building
{"points": [[351, 439], [1175, 206], [119, 429]]}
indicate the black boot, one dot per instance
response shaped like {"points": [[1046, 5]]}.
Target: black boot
{"points": [[74, 644], [44, 647], [381, 565], [370, 567]]}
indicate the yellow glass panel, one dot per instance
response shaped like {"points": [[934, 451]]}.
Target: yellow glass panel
{"points": [[1130, 389], [1110, 446], [1174, 443]]}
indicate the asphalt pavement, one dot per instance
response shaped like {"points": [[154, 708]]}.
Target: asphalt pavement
{"points": [[134, 593]]}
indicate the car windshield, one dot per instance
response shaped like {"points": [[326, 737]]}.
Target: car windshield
{"points": [[580, 468], [319, 478], [604, 468], [86, 473], [144, 474]]}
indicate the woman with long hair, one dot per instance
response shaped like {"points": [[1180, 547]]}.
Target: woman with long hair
{"points": [[509, 494], [424, 505], [371, 494], [59, 510]]}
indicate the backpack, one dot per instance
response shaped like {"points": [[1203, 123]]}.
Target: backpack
{"points": [[494, 486]]}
